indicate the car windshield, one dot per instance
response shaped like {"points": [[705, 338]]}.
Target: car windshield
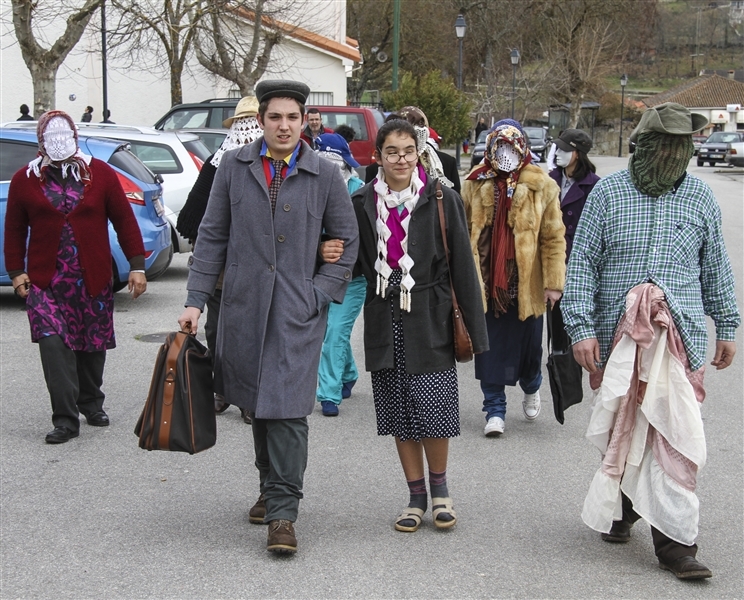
{"points": [[198, 148], [723, 137], [482, 137], [131, 165], [534, 133]]}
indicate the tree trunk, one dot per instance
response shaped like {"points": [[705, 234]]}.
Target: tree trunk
{"points": [[45, 88]]}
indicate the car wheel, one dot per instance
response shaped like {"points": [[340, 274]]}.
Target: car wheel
{"points": [[712, 163], [700, 163]]}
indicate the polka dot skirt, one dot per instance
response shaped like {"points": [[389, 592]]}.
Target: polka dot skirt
{"points": [[414, 406]]}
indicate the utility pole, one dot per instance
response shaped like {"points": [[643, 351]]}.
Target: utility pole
{"points": [[396, 42], [104, 82]]}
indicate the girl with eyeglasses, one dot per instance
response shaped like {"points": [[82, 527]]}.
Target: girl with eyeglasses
{"points": [[408, 331]]}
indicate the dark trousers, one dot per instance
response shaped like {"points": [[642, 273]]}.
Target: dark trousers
{"points": [[281, 458], [213, 317], [667, 550], [73, 379]]}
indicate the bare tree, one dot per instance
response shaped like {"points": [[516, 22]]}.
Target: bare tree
{"points": [[167, 27], [237, 40], [43, 63]]}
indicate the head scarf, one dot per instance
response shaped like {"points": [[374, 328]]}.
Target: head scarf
{"points": [[76, 164], [506, 131], [427, 154], [659, 160], [242, 131], [385, 201]]}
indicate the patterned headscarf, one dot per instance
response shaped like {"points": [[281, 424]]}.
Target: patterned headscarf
{"points": [[242, 131], [659, 160], [511, 132], [76, 165]]}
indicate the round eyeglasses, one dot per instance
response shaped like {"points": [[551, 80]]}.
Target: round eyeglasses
{"points": [[394, 157]]}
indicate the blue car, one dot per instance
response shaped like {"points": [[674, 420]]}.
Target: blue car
{"points": [[142, 187]]}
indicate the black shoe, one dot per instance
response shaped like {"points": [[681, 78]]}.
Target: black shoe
{"points": [[687, 567], [60, 435], [619, 533], [220, 405], [98, 419], [246, 415]]}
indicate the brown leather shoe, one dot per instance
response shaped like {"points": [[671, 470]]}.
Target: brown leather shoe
{"points": [[258, 511], [687, 567], [619, 533], [220, 405], [246, 415], [282, 538]]}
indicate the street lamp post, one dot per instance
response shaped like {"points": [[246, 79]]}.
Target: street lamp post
{"points": [[623, 83], [514, 61], [460, 33]]}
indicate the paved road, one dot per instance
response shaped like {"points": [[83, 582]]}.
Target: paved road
{"points": [[100, 518]]}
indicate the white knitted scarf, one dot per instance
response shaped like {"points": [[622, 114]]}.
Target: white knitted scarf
{"points": [[386, 200], [242, 131]]}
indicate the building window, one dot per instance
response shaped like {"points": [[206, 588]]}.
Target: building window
{"points": [[320, 99]]}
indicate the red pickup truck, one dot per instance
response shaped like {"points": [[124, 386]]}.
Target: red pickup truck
{"points": [[209, 114]]}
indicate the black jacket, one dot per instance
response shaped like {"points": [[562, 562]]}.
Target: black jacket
{"points": [[428, 327]]}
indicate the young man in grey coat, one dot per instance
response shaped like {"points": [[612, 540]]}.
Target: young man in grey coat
{"points": [[268, 205]]}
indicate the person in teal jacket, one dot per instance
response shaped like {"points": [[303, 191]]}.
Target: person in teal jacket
{"points": [[337, 372]]}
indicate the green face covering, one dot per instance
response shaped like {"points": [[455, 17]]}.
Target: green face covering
{"points": [[659, 160]]}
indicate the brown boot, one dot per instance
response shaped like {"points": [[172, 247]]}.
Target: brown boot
{"points": [[246, 415], [220, 405], [282, 538], [258, 511]]}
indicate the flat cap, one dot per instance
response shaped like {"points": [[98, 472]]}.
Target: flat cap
{"points": [[282, 88]]}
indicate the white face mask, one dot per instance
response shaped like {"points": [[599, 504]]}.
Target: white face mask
{"points": [[422, 134], [563, 158], [507, 157], [59, 139]]}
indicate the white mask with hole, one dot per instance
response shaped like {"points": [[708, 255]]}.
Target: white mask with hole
{"points": [[59, 139]]}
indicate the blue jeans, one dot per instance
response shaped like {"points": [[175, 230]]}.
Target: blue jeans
{"points": [[337, 365], [494, 395]]}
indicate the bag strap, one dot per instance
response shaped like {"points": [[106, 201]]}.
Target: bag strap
{"points": [[169, 387], [440, 209]]}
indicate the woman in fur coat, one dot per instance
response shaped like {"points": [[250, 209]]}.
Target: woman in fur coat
{"points": [[518, 241]]}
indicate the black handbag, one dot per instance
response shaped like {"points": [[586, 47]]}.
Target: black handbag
{"points": [[179, 412], [564, 373]]}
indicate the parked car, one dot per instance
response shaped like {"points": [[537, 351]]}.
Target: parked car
{"points": [[176, 156], [697, 141], [18, 146], [479, 149], [735, 154], [211, 113], [714, 148], [539, 141], [212, 138]]}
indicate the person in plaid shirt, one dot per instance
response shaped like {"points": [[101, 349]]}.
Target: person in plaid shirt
{"points": [[652, 223]]}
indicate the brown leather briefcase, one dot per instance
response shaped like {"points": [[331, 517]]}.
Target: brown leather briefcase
{"points": [[179, 411]]}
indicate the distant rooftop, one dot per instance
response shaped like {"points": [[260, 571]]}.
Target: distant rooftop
{"points": [[706, 91]]}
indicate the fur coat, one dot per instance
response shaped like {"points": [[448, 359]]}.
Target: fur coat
{"points": [[539, 235]]}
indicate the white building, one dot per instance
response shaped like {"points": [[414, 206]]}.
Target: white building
{"points": [[318, 53]]}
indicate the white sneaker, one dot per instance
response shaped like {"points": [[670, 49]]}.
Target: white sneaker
{"points": [[494, 427], [531, 406]]}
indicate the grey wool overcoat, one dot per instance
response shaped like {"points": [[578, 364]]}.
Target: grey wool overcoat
{"points": [[271, 326]]}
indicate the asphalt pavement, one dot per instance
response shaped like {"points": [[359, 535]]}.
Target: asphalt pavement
{"points": [[99, 518]]}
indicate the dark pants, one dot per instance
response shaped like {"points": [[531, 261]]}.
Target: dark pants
{"points": [[73, 379], [213, 317], [281, 458], [667, 550]]}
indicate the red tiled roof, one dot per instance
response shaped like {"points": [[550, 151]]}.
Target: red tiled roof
{"points": [[305, 35], [707, 91]]}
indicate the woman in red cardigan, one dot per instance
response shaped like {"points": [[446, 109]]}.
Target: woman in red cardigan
{"points": [[61, 203]]}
